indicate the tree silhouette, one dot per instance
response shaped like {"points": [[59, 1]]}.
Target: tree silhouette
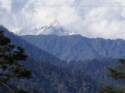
{"points": [[11, 62], [117, 73]]}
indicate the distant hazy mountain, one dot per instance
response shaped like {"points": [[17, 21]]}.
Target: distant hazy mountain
{"points": [[77, 47], [49, 76], [32, 51]]}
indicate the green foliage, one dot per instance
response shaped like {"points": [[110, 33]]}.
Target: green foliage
{"points": [[11, 61], [112, 90], [21, 91], [107, 90], [3, 40], [116, 73]]}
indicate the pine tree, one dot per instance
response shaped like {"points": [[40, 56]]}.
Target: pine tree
{"points": [[11, 62], [116, 73]]}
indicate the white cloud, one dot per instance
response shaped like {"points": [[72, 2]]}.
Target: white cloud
{"points": [[102, 21], [92, 18], [5, 4], [58, 2], [44, 13]]}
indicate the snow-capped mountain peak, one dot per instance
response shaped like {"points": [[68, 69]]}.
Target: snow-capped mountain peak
{"points": [[54, 28]]}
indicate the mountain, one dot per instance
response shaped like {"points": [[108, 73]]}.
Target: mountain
{"points": [[48, 74], [90, 56], [77, 47], [51, 76], [32, 51]]}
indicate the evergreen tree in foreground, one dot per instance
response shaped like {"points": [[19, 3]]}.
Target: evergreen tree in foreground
{"points": [[11, 66], [117, 73]]}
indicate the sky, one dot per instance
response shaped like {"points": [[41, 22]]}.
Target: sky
{"points": [[91, 18]]}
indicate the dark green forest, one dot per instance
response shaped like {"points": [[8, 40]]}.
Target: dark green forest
{"points": [[11, 64], [117, 74]]}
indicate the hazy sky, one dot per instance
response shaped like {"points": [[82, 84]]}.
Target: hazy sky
{"points": [[93, 18]]}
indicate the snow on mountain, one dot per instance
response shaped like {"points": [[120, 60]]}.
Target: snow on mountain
{"points": [[93, 18], [53, 29]]}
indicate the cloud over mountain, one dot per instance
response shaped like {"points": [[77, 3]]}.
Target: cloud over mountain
{"points": [[92, 18]]}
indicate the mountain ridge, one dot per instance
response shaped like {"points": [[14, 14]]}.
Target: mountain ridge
{"points": [[77, 46], [48, 74], [31, 50]]}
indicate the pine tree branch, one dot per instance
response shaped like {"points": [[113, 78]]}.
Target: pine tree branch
{"points": [[7, 86]]}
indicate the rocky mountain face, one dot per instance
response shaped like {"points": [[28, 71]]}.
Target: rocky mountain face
{"points": [[33, 51], [83, 69], [77, 47], [49, 75]]}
